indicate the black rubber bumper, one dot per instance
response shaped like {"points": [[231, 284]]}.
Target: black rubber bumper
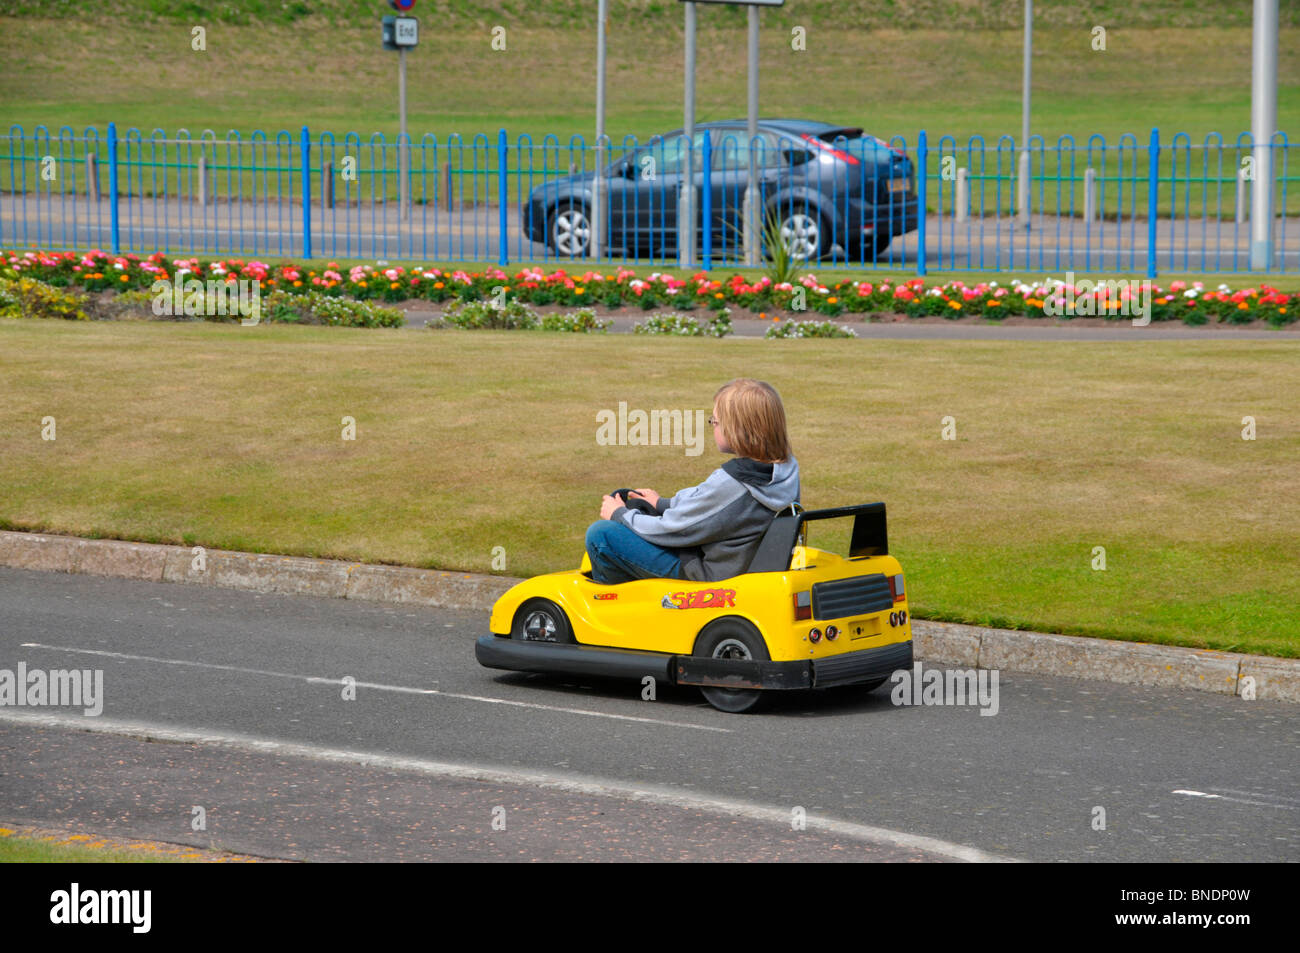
{"points": [[521, 655], [570, 659]]}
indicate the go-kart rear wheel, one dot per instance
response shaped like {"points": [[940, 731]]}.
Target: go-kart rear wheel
{"points": [[738, 639], [541, 620]]}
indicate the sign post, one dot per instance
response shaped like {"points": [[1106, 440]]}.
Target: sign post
{"points": [[1263, 126], [402, 33], [751, 205], [687, 201], [597, 246]]}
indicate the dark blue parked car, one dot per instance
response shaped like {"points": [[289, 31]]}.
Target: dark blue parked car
{"points": [[835, 191]]}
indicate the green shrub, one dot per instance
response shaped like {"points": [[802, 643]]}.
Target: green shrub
{"points": [[317, 308], [809, 329], [685, 326], [31, 298], [474, 315], [582, 321]]}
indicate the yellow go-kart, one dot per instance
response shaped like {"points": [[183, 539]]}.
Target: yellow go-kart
{"points": [[799, 618]]}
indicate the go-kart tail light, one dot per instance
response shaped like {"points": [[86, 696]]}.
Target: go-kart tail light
{"points": [[814, 635], [831, 633], [896, 588], [802, 606]]}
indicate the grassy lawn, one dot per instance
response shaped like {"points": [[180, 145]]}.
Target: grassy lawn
{"points": [[83, 849], [230, 437]]}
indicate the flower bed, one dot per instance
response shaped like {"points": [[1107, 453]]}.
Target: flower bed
{"points": [[623, 287]]}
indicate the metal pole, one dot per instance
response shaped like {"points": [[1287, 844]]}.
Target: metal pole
{"points": [[306, 193], [1263, 124], [686, 204], [1025, 96], [114, 225], [751, 203], [597, 246], [403, 198]]}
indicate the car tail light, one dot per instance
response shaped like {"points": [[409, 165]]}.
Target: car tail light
{"points": [[831, 633], [802, 606], [814, 635], [894, 149], [843, 156], [896, 588]]}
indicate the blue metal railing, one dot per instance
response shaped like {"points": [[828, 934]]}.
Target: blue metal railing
{"points": [[1169, 205]]}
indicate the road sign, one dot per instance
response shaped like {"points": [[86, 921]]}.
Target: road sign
{"points": [[401, 33], [402, 6]]}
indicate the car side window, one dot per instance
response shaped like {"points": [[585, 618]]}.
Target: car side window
{"points": [[668, 154], [732, 153]]}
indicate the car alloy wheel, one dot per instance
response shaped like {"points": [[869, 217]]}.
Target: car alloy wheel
{"points": [[571, 231], [802, 236]]}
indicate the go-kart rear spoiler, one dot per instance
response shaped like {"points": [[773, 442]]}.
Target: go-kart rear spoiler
{"points": [[869, 536]]}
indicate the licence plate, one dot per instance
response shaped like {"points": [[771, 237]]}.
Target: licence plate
{"points": [[863, 628], [898, 185]]}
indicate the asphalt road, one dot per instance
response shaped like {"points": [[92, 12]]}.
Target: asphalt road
{"points": [[472, 233], [245, 692]]}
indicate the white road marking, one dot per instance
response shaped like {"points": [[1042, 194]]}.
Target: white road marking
{"points": [[318, 680], [573, 784], [1241, 800]]}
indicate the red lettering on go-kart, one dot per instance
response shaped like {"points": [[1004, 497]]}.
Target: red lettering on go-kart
{"points": [[700, 599]]}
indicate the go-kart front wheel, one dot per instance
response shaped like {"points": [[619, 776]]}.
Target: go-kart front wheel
{"points": [[541, 620], [734, 639]]}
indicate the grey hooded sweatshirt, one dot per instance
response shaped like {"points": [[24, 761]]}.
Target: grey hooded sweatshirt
{"points": [[717, 526]]}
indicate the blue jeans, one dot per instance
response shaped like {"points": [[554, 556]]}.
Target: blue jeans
{"points": [[620, 555]]}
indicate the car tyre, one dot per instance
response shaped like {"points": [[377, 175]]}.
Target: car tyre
{"points": [[869, 248], [732, 638], [568, 229], [805, 231], [541, 620]]}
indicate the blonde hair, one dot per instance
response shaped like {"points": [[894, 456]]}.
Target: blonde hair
{"points": [[753, 419]]}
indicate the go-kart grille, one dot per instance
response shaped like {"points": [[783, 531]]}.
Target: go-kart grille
{"points": [[856, 596]]}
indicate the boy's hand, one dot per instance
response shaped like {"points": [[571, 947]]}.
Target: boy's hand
{"points": [[650, 496], [608, 504]]}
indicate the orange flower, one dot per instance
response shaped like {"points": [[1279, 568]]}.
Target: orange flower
{"points": [[297, 284], [578, 291], [831, 300], [437, 284], [124, 278], [1242, 306], [719, 295]]}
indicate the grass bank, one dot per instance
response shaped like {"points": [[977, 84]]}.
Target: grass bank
{"points": [[230, 437]]}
